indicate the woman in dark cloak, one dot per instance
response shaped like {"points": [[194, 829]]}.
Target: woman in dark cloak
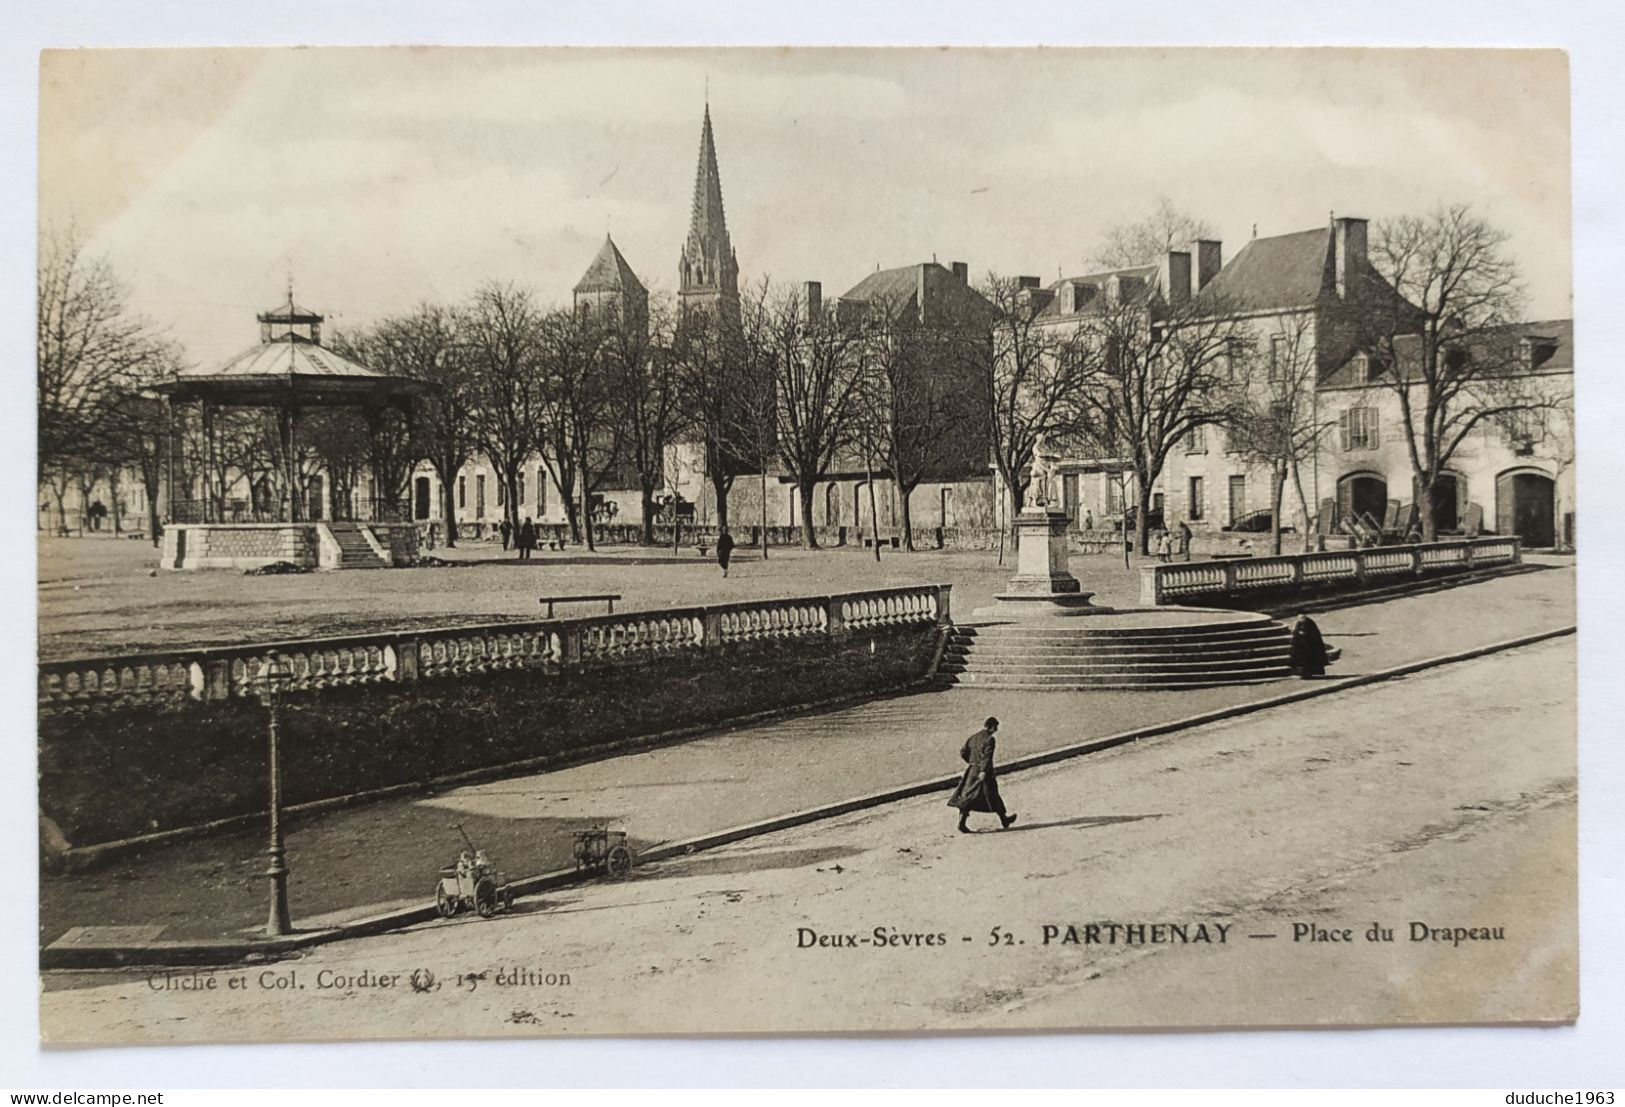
{"points": [[1308, 648]]}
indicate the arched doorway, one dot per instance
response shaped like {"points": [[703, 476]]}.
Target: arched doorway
{"points": [[1524, 503], [1360, 494]]}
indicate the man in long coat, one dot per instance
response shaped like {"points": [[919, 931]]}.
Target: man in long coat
{"points": [[1308, 648], [527, 539], [979, 788], [725, 549]]}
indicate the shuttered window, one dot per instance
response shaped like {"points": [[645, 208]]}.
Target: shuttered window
{"points": [[1357, 427]]}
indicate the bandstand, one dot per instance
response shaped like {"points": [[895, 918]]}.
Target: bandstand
{"points": [[292, 373]]}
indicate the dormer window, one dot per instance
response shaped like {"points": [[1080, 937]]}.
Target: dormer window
{"points": [[1535, 350], [1366, 368]]}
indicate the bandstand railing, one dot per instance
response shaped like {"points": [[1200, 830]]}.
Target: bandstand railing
{"points": [[176, 678]]}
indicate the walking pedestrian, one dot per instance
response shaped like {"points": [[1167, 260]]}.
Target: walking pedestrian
{"points": [[507, 532], [1184, 540], [725, 550], [1308, 648], [527, 539], [979, 788], [1165, 547]]}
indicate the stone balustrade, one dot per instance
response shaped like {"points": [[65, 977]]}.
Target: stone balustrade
{"points": [[1186, 582], [211, 674]]}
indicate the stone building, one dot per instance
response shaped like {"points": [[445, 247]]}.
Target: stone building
{"points": [[1299, 296], [934, 308]]}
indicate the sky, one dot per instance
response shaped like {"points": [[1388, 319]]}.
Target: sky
{"points": [[382, 178]]}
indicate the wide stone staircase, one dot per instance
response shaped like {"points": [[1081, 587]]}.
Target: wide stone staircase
{"points": [[354, 549], [1086, 652]]}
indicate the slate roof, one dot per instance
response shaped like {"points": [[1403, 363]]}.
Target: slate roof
{"points": [[1146, 275], [900, 289], [1550, 349], [609, 272], [1282, 271]]}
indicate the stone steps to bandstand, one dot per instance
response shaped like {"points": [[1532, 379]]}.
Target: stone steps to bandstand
{"points": [[355, 552]]}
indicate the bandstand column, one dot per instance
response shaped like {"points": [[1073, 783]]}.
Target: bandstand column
{"points": [[169, 458], [290, 501], [210, 514]]}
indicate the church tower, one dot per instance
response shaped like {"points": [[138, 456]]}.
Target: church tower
{"points": [[708, 272], [610, 288]]}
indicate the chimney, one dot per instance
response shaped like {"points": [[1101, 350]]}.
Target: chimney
{"points": [[1208, 255], [961, 272], [1175, 275], [813, 294], [1349, 242]]}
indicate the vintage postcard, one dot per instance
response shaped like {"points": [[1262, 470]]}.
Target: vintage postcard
{"points": [[642, 541]]}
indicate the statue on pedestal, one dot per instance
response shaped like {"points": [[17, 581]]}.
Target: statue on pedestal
{"points": [[1042, 473]]}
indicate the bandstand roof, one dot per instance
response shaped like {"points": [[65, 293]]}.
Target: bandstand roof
{"points": [[291, 369]]}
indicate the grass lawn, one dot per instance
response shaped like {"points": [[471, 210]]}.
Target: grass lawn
{"points": [[106, 595]]}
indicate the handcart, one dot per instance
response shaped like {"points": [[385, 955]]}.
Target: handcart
{"points": [[471, 884], [605, 850]]}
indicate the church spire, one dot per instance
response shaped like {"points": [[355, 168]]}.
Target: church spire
{"points": [[707, 271]]}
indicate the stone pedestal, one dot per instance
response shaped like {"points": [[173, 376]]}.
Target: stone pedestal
{"points": [[1042, 586]]}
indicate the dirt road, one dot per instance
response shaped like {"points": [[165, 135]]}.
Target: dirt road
{"points": [[1446, 800]]}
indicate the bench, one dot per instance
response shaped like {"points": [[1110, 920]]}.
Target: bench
{"points": [[608, 598]]}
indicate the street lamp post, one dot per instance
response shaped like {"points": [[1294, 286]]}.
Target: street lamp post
{"points": [[277, 923]]}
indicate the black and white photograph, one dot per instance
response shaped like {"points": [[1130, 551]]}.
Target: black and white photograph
{"points": [[548, 542]]}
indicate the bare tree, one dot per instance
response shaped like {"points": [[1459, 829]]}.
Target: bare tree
{"points": [[1141, 242], [1275, 421], [506, 346], [393, 445], [429, 344], [89, 350], [817, 385], [754, 431], [1035, 375], [646, 399], [706, 346], [925, 404], [578, 408], [1156, 373], [1444, 346]]}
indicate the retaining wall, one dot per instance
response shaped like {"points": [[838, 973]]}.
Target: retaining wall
{"points": [[144, 744]]}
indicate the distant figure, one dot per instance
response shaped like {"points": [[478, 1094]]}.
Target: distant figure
{"points": [[1184, 540], [527, 539], [725, 550], [98, 512], [1164, 546], [979, 788], [1088, 519], [506, 529], [1308, 648]]}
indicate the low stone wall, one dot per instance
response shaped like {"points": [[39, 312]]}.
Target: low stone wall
{"points": [[147, 743], [238, 545], [1212, 583], [400, 541]]}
